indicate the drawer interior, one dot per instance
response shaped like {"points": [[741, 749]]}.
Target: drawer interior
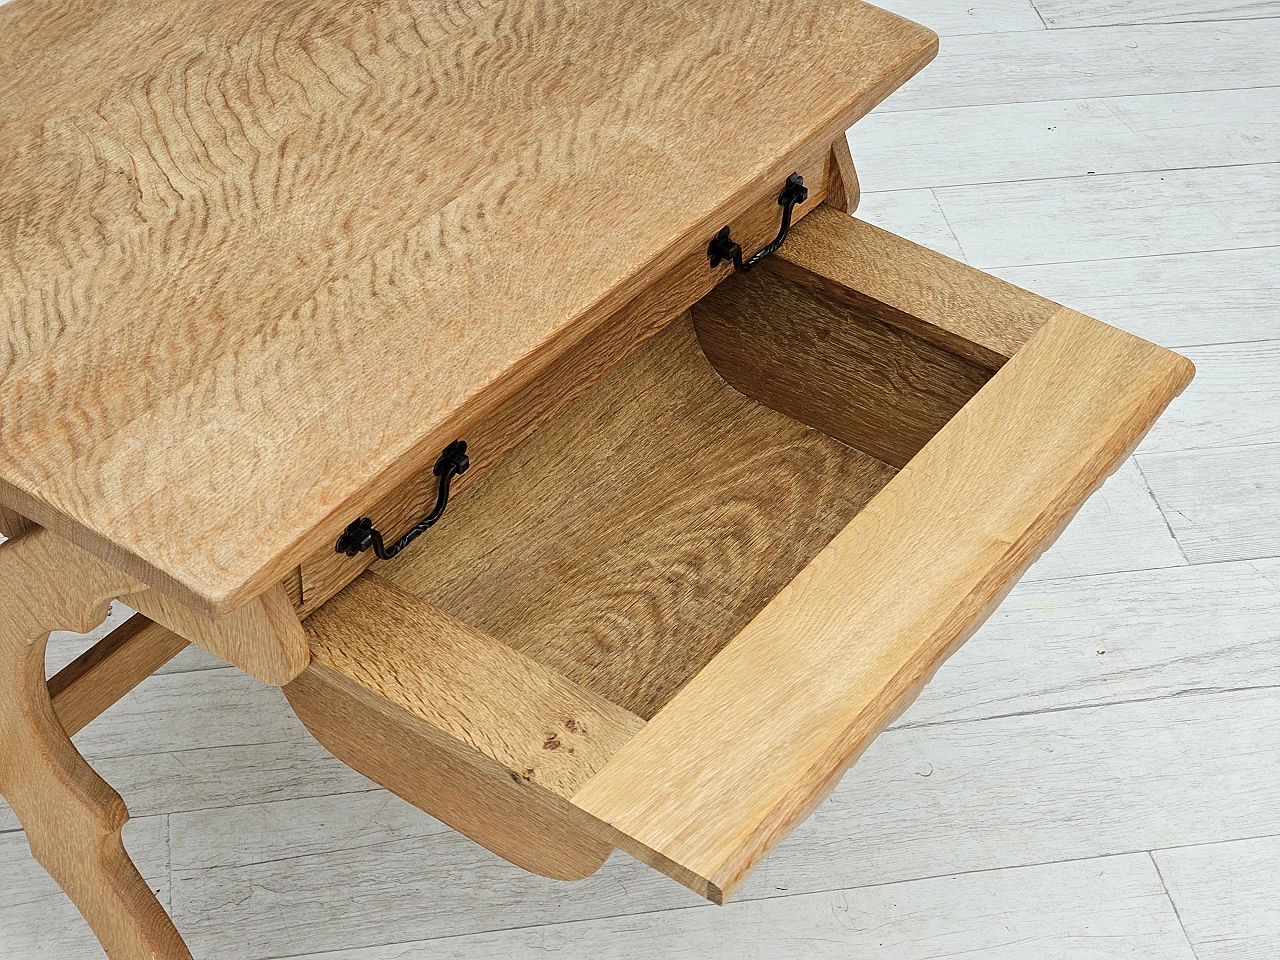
{"points": [[613, 553], [625, 587], [633, 536]]}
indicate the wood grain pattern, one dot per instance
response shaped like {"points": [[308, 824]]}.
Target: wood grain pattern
{"points": [[264, 639], [71, 816], [951, 146], [459, 725], [986, 17], [541, 726], [1120, 528], [98, 678], [931, 296], [1236, 403], [317, 236], [13, 525], [843, 190], [1220, 504], [832, 366], [524, 824], [1167, 212], [509, 423], [999, 793], [1225, 296], [850, 642], [630, 538]]}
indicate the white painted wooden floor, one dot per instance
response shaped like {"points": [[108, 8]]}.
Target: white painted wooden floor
{"points": [[1097, 774]]}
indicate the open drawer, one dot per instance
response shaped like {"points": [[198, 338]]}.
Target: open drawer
{"points": [[672, 618]]}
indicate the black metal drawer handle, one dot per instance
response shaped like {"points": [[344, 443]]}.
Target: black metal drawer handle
{"points": [[360, 535], [723, 248]]}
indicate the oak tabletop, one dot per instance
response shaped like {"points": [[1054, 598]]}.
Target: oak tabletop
{"points": [[255, 256]]}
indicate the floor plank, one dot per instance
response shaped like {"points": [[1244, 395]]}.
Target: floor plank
{"points": [[958, 146], [1119, 528], [1221, 503], [415, 888], [221, 778], [191, 711], [1100, 62], [1120, 637], [1112, 216], [923, 802], [1177, 301], [1039, 788], [1165, 632], [959, 19], [1226, 896], [1101, 908], [1094, 13], [261, 832], [1234, 400]]}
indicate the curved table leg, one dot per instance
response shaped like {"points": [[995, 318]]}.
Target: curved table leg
{"points": [[71, 816]]}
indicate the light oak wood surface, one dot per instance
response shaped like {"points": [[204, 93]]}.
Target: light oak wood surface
{"points": [[213, 739], [850, 642], [12, 524], [71, 817], [939, 299], [497, 742], [843, 190], [479, 797], [629, 539], [264, 638], [1107, 386], [1122, 528], [833, 366], [323, 239], [541, 726]]}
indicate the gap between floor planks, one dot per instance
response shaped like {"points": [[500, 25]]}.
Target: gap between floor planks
{"points": [[1046, 65], [1000, 143]]}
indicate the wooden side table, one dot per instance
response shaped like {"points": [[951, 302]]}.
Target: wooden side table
{"points": [[681, 481]]}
